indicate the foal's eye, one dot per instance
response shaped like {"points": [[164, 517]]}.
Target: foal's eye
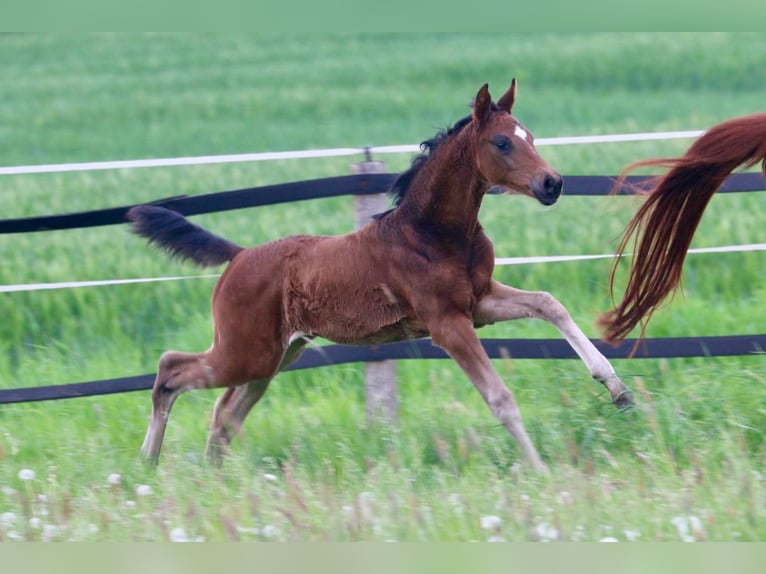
{"points": [[502, 143]]}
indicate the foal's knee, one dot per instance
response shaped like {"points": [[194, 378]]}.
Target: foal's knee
{"points": [[550, 308], [181, 371], [502, 404], [167, 369]]}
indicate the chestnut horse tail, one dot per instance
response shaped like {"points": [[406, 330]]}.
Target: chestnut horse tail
{"points": [[664, 225], [173, 233]]}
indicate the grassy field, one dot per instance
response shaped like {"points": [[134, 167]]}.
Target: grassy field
{"points": [[689, 462]]}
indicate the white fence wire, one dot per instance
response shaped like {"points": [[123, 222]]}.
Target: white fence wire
{"points": [[336, 152], [316, 153]]}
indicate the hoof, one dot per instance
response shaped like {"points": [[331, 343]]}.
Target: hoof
{"points": [[624, 400], [214, 454], [150, 461]]}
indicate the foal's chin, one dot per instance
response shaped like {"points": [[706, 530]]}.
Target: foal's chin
{"points": [[546, 200], [543, 198]]}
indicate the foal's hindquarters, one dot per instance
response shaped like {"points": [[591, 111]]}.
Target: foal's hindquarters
{"points": [[249, 347], [269, 302]]}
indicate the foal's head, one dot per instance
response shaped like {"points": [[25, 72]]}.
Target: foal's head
{"points": [[505, 150]]}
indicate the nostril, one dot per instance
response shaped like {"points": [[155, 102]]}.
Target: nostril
{"points": [[553, 184]]}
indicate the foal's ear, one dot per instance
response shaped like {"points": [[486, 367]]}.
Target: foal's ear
{"points": [[507, 99], [483, 105]]}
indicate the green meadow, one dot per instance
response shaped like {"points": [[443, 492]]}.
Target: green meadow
{"points": [[688, 462]]}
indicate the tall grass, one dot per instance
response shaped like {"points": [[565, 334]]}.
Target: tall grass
{"points": [[688, 461]]}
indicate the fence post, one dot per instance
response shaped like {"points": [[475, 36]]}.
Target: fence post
{"points": [[380, 383]]}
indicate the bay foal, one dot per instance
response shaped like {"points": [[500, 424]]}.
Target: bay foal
{"points": [[424, 268]]}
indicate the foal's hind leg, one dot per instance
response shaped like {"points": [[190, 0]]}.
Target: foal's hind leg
{"points": [[234, 405], [221, 366], [504, 303], [230, 411], [176, 373]]}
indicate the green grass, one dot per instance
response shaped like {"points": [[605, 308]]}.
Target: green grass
{"points": [[693, 446]]}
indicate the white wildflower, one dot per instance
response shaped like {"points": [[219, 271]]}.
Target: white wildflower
{"points": [[696, 525], [491, 522], [270, 531], [608, 539], [8, 491], [143, 490], [34, 522], [682, 525], [114, 479], [455, 502], [495, 539], [27, 474], [51, 531], [564, 497], [7, 519], [631, 535], [365, 502], [178, 535], [579, 533], [268, 477], [546, 533]]}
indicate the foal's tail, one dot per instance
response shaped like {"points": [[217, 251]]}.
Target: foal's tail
{"points": [[664, 225], [172, 232]]}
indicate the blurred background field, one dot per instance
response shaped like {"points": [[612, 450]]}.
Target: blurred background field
{"points": [[687, 461]]}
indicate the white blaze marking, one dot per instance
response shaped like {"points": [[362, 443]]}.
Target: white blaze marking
{"points": [[521, 132]]}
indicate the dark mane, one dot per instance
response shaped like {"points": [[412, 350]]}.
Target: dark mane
{"points": [[402, 183]]}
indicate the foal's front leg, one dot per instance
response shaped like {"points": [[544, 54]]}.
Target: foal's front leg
{"points": [[504, 303], [456, 335]]}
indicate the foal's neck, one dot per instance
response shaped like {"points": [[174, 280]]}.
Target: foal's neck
{"points": [[446, 194]]}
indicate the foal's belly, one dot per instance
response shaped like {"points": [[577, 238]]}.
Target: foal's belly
{"points": [[401, 331], [360, 321]]}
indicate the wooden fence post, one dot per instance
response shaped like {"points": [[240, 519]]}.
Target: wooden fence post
{"points": [[380, 383]]}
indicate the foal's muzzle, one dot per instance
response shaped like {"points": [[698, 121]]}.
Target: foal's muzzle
{"points": [[547, 188]]}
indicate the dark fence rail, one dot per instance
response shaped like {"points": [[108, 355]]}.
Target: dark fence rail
{"points": [[423, 349], [365, 184]]}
